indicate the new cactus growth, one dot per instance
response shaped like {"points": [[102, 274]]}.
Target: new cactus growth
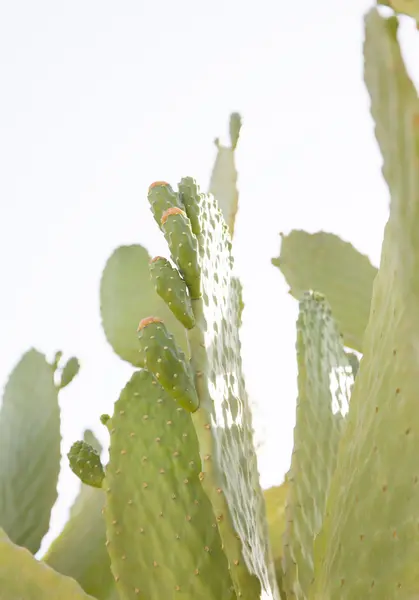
{"points": [[172, 289], [85, 463], [160, 355], [183, 247], [162, 197]]}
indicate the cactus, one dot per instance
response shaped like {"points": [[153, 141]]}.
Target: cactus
{"points": [[160, 354], [79, 551], [85, 463], [404, 7], [325, 263], [22, 576], [173, 290], [223, 420], [320, 356], [162, 534], [183, 510], [29, 437]]}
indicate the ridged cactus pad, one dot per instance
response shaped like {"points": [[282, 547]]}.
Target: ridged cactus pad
{"points": [[162, 533], [324, 380], [85, 463]]}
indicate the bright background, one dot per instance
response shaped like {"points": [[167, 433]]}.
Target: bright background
{"points": [[99, 99]]}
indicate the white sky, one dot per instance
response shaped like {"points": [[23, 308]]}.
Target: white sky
{"points": [[98, 99]]}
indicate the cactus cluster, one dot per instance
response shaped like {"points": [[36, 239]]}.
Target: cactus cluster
{"points": [[178, 510]]}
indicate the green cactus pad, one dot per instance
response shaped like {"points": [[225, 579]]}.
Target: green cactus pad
{"points": [[80, 551], [183, 247], [324, 380], [161, 196], [223, 422], [23, 577], [85, 463], [323, 262], [160, 355], [126, 295], [223, 181], [172, 289], [190, 195], [162, 535], [69, 372], [369, 547], [29, 451]]}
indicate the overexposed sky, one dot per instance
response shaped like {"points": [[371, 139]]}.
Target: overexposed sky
{"points": [[99, 98]]}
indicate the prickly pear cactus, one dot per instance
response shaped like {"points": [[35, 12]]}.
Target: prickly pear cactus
{"points": [[324, 380], [162, 357], [369, 547], [162, 533], [172, 289], [223, 421], [22, 576], [85, 463]]}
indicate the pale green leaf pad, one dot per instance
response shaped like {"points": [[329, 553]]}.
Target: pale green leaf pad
{"points": [[126, 296], [324, 263], [369, 546], [29, 451], [22, 577], [324, 382], [162, 534], [223, 182]]}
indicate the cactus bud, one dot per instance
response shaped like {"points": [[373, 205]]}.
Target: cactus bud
{"points": [[85, 463], [162, 357], [183, 247], [172, 289]]}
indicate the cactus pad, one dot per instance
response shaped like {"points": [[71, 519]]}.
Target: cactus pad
{"points": [[160, 355], [161, 197], [323, 262], [183, 247], [324, 380], [85, 463], [24, 577], [223, 421], [172, 289], [369, 547], [162, 535], [29, 450], [190, 195]]}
